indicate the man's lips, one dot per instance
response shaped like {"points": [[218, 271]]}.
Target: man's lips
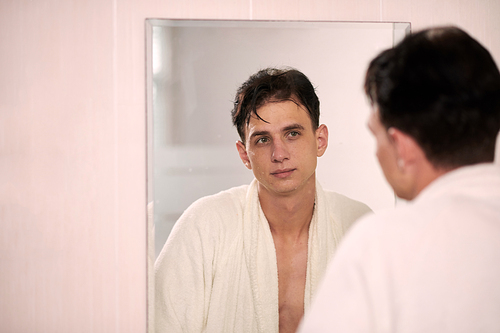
{"points": [[282, 173]]}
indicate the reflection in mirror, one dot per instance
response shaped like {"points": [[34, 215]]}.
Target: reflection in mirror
{"points": [[193, 70]]}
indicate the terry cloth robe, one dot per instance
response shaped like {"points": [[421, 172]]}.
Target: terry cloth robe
{"points": [[218, 271], [429, 266]]}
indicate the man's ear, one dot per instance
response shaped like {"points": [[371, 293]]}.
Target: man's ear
{"points": [[242, 151], [322, 139], [407, 149]]}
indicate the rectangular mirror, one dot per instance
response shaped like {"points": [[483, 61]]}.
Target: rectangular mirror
{"points": [[193, 70]]}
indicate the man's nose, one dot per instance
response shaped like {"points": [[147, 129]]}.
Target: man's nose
{"points": [[280, 151]]}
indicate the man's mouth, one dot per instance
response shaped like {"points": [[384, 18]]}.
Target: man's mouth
{"points": [[282, 173]]}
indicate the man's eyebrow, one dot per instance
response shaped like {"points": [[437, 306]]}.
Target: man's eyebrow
{"points": [[292, 127], [284, 129], [258, 133]]}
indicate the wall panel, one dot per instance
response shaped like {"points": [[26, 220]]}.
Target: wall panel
{"points": [[72, 144]]}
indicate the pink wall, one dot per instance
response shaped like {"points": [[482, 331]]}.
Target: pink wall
{"points": [[72, 145]]}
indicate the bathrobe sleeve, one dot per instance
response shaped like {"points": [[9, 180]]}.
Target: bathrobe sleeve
{"points": [[184, 272], [192, 268]]}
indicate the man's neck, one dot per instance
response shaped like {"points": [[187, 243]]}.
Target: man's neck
{"points": [[289, 215], [427, 174]]}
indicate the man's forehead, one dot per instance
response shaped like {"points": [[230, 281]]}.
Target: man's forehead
{"points": [[291, 99], [262, 125], [280, 105], [257, 122]]}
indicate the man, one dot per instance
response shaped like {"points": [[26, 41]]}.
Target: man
{"points": [[249, 259], [433, 264]]}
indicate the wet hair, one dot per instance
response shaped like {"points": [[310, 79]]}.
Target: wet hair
{"points": [[272, 85], [441, 87]]}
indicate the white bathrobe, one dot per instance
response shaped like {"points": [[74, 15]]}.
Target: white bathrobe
{"points": [[432, 265], [218, 272]]}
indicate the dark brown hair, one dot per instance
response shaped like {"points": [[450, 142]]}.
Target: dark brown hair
{"points": [[443, 88], [273, 85]]}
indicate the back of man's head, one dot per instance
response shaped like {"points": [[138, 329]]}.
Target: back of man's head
{"points": [[441, 87]]}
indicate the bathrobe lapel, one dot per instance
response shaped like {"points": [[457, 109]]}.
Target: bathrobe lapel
{"points": [[261, 261]]}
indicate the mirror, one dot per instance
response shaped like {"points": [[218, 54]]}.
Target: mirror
{"points": [[194, 68]]}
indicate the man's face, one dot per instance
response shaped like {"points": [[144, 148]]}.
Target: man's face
{"points": [[387, 154], [282, 153]]}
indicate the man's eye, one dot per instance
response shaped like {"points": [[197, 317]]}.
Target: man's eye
{"points": [[262, 140], [293, 133]]}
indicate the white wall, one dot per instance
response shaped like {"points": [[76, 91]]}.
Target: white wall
{"points": [[73, 144]]}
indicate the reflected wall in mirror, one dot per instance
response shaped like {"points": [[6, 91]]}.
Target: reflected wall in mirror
{"points": [[193, 70]]}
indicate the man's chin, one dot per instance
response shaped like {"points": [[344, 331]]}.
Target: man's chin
{"points": [[285, 188]]}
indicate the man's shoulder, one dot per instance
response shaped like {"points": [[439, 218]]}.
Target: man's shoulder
{"points": [[232, 196], [211, 218], [341, 199], [394, 227], [344, 205], [343, 209], [220, 209]]}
